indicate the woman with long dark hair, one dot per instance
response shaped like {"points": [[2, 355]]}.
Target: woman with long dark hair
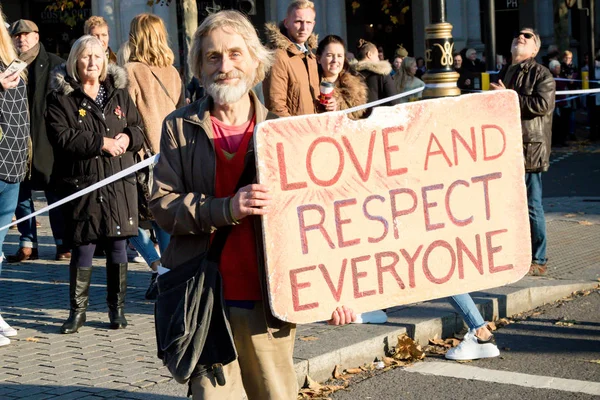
{"points": [[349, 88]]}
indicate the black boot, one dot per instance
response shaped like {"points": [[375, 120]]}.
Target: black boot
{"points": [[116, 287], [79, 294]]}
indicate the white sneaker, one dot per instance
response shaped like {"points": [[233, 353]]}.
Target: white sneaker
{"points": [[4, 340], [473, 348], [6, 329], [371, 317]]}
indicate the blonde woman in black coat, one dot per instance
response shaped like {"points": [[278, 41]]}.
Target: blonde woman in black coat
{"points": [[95, 130]]}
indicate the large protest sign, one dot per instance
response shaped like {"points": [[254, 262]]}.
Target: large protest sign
{"points": [[420, 201]]}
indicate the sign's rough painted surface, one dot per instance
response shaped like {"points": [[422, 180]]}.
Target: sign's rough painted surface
{"points": [[420, 201]]}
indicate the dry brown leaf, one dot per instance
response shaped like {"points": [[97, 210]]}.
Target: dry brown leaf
{"points": [[407, 349], [32, 339], [503, 322], [328, 389], [308, 338], [586, 223], [491, 326], [570, 215], [452, 342], [311, 384], [390, 362], [464, 361], [367, 367], [337, 372], [437, 342], [354, 371], [565, 322], [593, 361], [536, 313]]}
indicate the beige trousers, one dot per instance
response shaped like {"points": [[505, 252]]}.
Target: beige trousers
{"points": [[264, 368]]}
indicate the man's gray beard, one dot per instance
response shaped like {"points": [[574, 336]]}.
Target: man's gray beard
{"points": [[228, 94]]}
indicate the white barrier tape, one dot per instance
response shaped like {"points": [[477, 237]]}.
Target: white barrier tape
{"points": [[383, 101], [569, 98], [579, 91], [103, 182], [574, 80]]}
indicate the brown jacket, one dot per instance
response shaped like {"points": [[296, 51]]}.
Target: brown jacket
{"points": [[350, 91], [292, 86], [183, 201], [152, 102]]}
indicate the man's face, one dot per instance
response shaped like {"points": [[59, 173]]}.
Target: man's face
{"points": [[380, 54], [472, 56], [457, 61], [101, 33], [523, 44], [300, 24], [567, 59], [228, 69], [25, 41]]}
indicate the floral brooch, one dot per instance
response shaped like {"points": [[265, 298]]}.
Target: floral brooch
{"points": [[119, 113], [82, 112]]}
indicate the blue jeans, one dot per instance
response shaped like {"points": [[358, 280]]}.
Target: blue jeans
{"points": [[9, 193], [537, 221], [465, 306], [27, 229], [144, 245]]}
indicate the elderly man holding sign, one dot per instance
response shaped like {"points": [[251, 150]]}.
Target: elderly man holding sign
{"points": [[204, 183]]}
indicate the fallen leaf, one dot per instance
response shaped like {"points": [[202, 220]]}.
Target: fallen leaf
{"points": [[367, 367], [503, 322], [336, 372], [452, 342], [407, 349], [536, 313], [565, 322], [32, 339], [464, 361], [570, 215], [437, 342], [390, 362], [308, 338], [311, 384], [586, 223], [593, 361], [354, 371], [491, 326]]}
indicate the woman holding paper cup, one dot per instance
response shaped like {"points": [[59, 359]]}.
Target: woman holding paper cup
{"points": [[406, 79], [14, 139], [341, 87], [95, 129]]}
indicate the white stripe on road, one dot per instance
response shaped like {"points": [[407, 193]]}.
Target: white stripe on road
{"points": [[455, 370]]}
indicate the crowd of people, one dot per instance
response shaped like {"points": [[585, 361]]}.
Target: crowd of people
{"points": [[98, 113]]}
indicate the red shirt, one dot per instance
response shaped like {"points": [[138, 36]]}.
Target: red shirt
{"points": [[238, 265]]}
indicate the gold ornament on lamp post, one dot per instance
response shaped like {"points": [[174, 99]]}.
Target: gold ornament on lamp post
{"points": [[440, 76]]}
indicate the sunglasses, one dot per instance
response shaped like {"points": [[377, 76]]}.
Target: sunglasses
{"points": [[527, 35]]}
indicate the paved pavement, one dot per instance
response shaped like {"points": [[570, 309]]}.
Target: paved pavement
{"points": [[102, 363]]}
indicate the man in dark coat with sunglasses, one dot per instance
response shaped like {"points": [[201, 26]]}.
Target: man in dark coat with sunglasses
{"points": [[536, 89]]}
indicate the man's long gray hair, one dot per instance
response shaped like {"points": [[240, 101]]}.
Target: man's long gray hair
{"points": [[235, 22]]}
